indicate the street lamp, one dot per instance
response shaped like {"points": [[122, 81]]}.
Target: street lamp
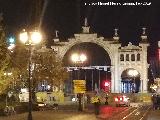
{"points": [[7, 74], [79, 59], [133, 73], [30, 39]]}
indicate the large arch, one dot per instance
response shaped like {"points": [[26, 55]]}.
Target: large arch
{"points": [[99, 41], [122, 58], [100, 56], [130, 81]]}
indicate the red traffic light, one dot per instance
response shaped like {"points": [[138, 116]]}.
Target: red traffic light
{"points": [[106, 84]]}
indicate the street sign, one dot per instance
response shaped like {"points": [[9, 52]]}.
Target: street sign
{"points": [[79, 86]]}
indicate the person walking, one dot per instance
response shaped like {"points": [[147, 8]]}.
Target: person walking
{"points": [[154, 101], [158, 102], [106, 98], [96, 101]]}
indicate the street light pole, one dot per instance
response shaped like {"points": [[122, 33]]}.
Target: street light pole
{"points": [[92, 79], [30, 39], [29, 85], [99, 79], [79, 58]]}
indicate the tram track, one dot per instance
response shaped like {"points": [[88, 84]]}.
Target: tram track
{"points": [[137, 114], [144, 115], [121, 114], [131, 114]]}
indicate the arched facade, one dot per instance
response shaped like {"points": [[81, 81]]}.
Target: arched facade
{"points": [[122, 58], [130, 81]]}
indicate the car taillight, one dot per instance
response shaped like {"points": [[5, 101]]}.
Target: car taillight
{"points": [[116, 99]]}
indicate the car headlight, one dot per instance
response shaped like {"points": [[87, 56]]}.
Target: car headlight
{"points": [[116, 99]]}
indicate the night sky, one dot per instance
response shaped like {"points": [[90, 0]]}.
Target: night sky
{"points": [[67, 16]]}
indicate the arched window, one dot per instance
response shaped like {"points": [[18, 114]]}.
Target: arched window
{"points": [[133, 57], [121, 57], [138, 57], [127, 57]]}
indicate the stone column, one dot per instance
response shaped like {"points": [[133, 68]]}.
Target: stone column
{"points": [[141, 85], [145, 84], [117, 79], [112, 80]]}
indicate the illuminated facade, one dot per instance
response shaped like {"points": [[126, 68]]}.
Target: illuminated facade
{"points": [[122, 58]]}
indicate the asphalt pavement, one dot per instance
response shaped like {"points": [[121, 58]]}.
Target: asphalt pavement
{"points": [[74, 115], [53, 115], [154, 115]]}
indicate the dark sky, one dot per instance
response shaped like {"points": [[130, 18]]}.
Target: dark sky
{"points": [[67, 16]]}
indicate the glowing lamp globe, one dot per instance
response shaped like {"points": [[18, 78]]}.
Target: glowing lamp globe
{"points": [[36, 37]]}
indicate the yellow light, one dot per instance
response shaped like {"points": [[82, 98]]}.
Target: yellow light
{"points": [[153, 86], [9, 73], [133, 73], [75, 57], [83, 57], [36, 37], [23, 37]]}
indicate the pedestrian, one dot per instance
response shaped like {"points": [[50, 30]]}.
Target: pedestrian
{"points": [[158, 102], [96, 101], [106, 98], [154, 101]]}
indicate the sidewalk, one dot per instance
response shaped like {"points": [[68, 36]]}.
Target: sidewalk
{"points": [[52, 115]]}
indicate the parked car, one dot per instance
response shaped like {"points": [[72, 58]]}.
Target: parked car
{"points": [[41, 105], [122, 100]]}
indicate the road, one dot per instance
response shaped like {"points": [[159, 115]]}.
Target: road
{"points": [[126, 113], [106, 113]]}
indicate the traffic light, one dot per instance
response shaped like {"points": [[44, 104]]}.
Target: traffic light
{"points": [[106, 85]]}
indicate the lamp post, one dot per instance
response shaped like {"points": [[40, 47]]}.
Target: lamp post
{"points": [[133, 73], [8, 95], [30, 39], [79, 59]]}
